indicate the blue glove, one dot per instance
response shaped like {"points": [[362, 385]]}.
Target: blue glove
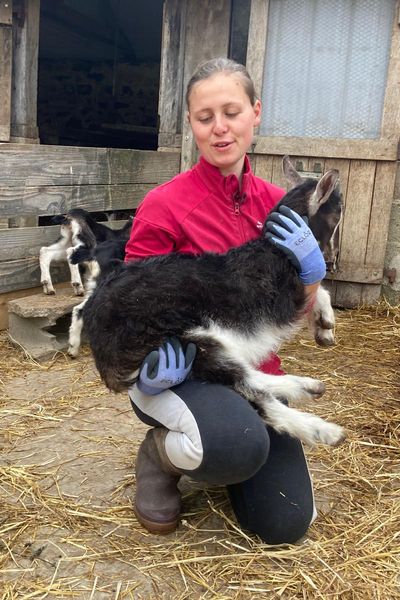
{"points": [[290, 233], [165, 367]]}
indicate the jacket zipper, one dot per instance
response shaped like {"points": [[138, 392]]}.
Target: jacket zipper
{"points": [[238, 199]]}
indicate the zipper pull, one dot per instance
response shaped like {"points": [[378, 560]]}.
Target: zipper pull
{"points": [[236, 203]]}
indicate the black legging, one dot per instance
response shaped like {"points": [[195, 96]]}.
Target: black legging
{"points": [[265, 472]]}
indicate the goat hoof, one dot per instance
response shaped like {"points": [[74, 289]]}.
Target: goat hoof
{"points": [[315, 388], [49, 291], [78, 289], [330, 434], [325, 338]]}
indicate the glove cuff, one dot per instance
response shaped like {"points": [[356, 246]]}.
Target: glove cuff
{"points": [[148, 389]]}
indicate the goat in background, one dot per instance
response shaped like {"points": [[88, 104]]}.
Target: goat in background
{"points": [[102, 259], [78, 229]]}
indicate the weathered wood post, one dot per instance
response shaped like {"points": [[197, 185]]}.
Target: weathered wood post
{"points": [[5, 68], [25, 47]]}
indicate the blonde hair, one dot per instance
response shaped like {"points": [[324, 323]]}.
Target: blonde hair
{"points": [[222, 65]]}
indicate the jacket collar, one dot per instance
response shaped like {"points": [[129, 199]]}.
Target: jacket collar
{"points": [[228, 186]]}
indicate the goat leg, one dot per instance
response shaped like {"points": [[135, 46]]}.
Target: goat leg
{"points": [[308, 428], [322, 319]]}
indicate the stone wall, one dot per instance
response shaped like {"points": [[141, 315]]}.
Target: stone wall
{"points": [[391, 288]]}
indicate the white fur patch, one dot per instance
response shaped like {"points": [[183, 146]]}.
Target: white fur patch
{"points": [[252, 349]]}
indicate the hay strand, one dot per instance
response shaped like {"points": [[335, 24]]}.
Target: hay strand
{"points": [[67, 529]]}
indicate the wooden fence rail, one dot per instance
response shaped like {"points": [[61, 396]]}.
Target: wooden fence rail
{"points": [[38, 181]]}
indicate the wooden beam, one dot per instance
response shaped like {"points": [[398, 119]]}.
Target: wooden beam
{"points": [[24, 273], [6, 12], [30, 165], [357, 273], [24, 242], [257, 42], [171, 72], [5, 71], [391, 104], [209, 19], [25, 74], [57, 199], [384, 149]]}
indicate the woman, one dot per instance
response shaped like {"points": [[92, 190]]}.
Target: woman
{"points": [[205, 430]]}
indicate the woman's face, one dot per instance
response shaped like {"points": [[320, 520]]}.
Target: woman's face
{"points": [[223, 119]]}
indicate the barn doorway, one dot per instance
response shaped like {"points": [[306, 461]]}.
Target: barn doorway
{"points": [[99, 71]]}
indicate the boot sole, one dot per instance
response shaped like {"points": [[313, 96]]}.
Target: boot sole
{"points": [[157, 527]]}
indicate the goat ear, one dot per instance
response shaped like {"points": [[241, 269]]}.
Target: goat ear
{"points": [[324, 188], [290, 173]]}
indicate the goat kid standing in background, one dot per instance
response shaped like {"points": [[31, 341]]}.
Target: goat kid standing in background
{"points": [[204, 430], [78, 230]]}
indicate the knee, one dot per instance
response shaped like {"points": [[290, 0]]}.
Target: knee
{"points": [[276, 522], [286, 529]]}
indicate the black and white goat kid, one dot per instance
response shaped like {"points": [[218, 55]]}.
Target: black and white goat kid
{"points": [[237, 308], [104, 257], [78, 229]]}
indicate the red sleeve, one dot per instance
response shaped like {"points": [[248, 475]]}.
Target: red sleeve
{"points": [[154, 230], [147, 240]]}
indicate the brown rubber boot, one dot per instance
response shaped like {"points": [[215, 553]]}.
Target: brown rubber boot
{"points": [[158, 500]]}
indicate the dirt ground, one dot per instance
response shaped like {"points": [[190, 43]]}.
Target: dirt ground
{"points": [[67, 529]]}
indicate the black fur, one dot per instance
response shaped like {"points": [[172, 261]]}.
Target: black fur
{"points": [[104, 253], [139, 304]]}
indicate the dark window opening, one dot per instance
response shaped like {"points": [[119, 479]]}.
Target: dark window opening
{"points": [[105, 216], [99, 71]]}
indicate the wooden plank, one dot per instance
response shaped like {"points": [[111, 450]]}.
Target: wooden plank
{"points": [[380, 213], [34, 165], [263, 166], [257, 42], [22, 242], [24, 273], [57, 199], [5, 81], [348, 295], [212, 19], [353, 295], [171, 72], [357, 273], [277, 177], [357, 214], [25, 73], [384, 149], [370, 294], [142, 166], [391, 105], [6, 12]]}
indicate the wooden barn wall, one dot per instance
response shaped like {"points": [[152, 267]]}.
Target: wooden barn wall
{"points": [[367, 187], [367, 171], [48, 180]]}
